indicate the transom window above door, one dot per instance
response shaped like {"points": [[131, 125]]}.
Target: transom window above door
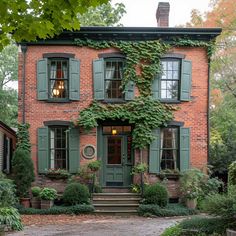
{"points": [[114, 69]]}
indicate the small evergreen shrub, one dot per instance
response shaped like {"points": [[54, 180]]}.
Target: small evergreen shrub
{"points": [[48, 194], [206, 225], [156, 194], [10, 218], [22, 172], [169, 210], [75, 193], [7, 192], [57, 210], [36, 191]]}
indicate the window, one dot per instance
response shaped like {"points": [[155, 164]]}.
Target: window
{"points": [[113, 78], [169, 148], [107, 80], [170, 79], [174, 84], [58, 78], [58, 148]]}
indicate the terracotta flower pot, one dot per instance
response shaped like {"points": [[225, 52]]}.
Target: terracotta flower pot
{"points": [[46, 204], [191, 203], [25, 202]]}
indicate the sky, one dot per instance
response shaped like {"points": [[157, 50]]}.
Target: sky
{"points": [[143, 12]]}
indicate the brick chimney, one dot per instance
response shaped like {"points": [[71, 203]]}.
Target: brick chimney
{"points": [[162, 14]]}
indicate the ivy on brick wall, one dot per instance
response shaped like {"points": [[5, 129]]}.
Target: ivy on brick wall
{"points": [[144, 112], [143, 63]]}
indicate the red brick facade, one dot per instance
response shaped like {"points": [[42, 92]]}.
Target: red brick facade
{"points": [[192, 113]]}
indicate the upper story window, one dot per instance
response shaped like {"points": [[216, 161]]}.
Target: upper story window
{"points": [[170, 79], [174, 83], [113, 78], [58, 78], [108, 73]]}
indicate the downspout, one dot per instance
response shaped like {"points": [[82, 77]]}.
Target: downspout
{"points": [[208, 110], [23, 49]]}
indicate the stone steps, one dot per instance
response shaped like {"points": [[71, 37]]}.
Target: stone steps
{"points": [[116, 203]]}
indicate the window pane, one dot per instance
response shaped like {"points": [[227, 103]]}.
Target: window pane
{"points": [[114, 150]]}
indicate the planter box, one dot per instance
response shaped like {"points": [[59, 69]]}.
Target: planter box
{"points": [[191, 203], [25, 202], [170, 176], [35, 202], [46, 204], [231, 232]]}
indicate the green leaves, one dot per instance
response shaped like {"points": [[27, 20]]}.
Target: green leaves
{"points": [[144, 112]]}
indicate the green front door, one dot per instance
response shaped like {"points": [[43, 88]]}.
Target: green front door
{"points": [[117, 160]]}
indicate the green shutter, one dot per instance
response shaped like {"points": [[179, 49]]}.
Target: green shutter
{"points": [[154, 153], [184, 149], [43, 150], [156, 88], [129, 91], [98, 79], [42, 79], [74, 81], [74, 155], [186, 79]]}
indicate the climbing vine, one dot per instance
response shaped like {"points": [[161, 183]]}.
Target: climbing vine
{"points": [[144, 112], [142, 60], [143, 63]]}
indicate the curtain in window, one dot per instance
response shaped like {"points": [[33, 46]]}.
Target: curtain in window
{"points": [[174, 147], [162, 144], [110, 71]]}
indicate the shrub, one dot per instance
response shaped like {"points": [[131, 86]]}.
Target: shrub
{"points": [[95, 165], [23, 172], [173, 231], [57, 210], [7, 192], [156, 194], [221, 205], [36, 191], [75, 193], [48, 194], [232, 173], [206, 225], [10, 218], [169, 210]]}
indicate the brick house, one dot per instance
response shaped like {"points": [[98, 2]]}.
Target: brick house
{"points": [[7, 147], [58, 79]]}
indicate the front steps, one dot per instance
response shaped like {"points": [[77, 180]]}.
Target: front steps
{"points": [[116, 203]]}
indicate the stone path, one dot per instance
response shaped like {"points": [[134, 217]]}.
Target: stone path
{"points": [[101, 226]]}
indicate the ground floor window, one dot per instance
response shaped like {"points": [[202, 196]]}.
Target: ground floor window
{"points": [[169, 148], [58, 148]]}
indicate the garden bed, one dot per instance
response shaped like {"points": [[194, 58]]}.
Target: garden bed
{"points": [[169, 210]]}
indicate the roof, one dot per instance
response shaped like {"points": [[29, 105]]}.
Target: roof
{"points": [[132, 33], [7, 128]]}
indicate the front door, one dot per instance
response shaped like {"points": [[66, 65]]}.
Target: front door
{"points": [[117, 161]]}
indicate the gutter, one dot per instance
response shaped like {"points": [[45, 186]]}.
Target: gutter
{"points": [[208, 110], [23, 49]]}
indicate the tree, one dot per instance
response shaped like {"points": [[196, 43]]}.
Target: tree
{"points": [[223, 82], [28, 20], [8, 74], [103, 15]]}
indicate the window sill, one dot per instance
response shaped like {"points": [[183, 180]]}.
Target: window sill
{"points": [[169, 176], [58, 101], [170, 101]]}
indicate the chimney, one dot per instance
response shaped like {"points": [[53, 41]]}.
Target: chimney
{"points": [[162, 14]]}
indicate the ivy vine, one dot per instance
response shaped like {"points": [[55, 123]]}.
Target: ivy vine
{"points": [[143, 60], [145, 112], [23, 140]]}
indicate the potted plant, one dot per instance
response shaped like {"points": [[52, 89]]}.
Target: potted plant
{"points": [[22, 174], [35, 201], [47, 196], [94, 166], [191, 186]]}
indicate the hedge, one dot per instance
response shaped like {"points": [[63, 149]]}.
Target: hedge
{"points": [[169, 210], [57, 210]]}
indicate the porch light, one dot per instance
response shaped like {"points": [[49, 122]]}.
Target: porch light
{"points": [[114, 131]]}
